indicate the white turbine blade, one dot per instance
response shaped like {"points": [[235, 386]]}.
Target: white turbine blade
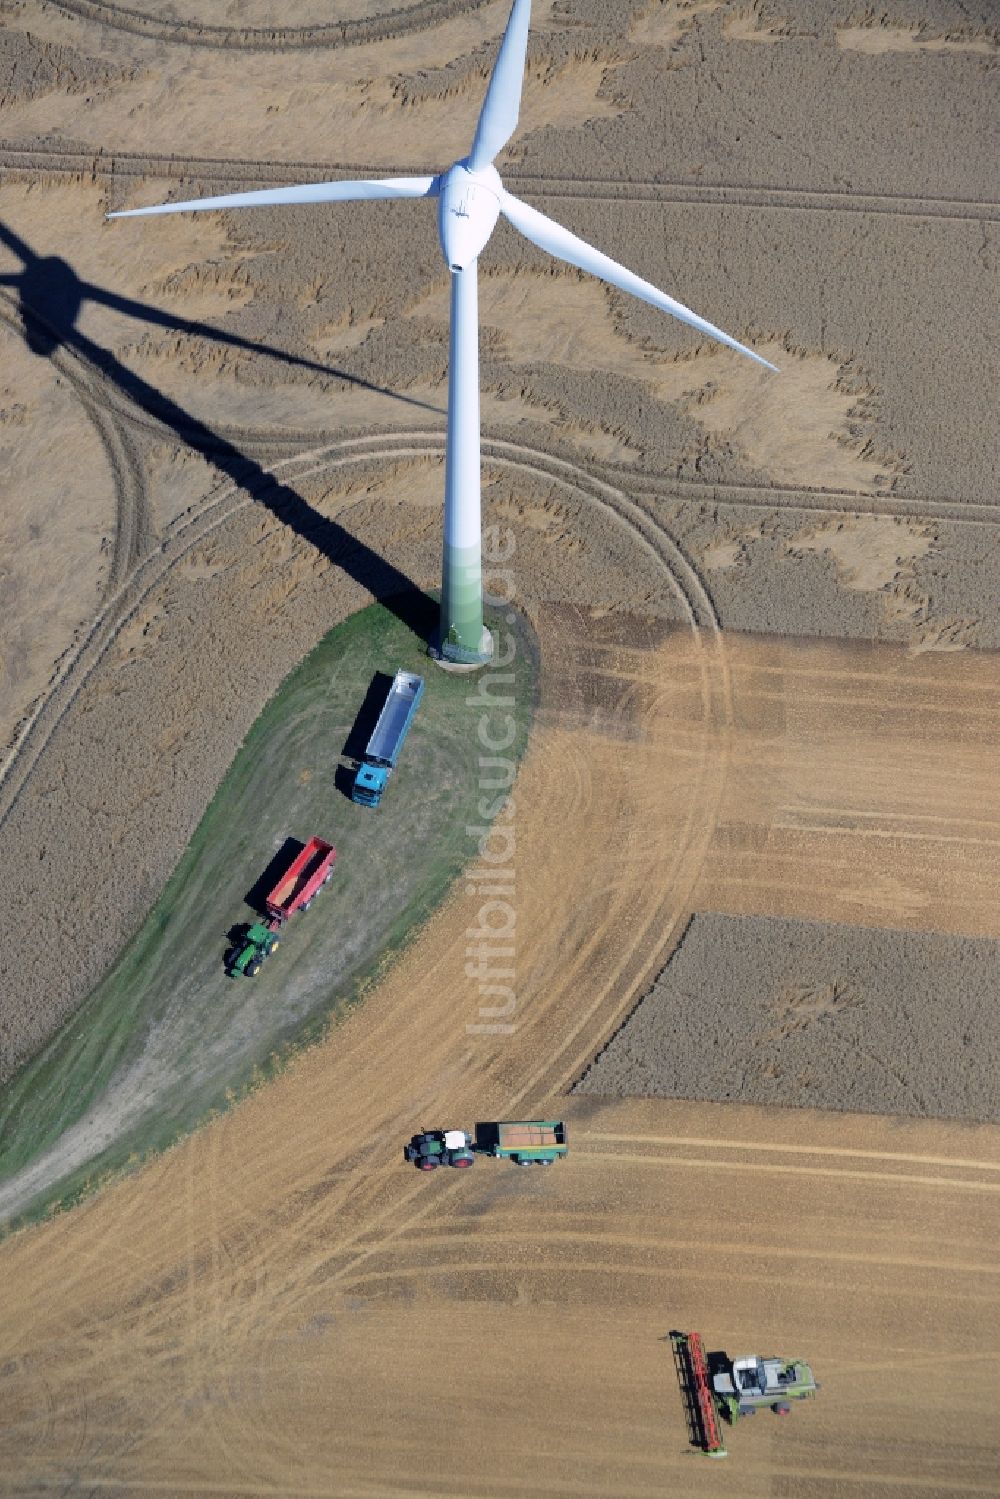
{"points": [[550, 236], [306, 192], [498, 116]]}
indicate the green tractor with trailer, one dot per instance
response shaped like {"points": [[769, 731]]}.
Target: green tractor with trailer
{"points": [[526, 1142]]}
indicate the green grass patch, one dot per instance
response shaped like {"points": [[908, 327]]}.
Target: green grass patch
{"points": [[167, 1039]]}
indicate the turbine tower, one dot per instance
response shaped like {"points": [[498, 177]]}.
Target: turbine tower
{"points": [[471, 198]]}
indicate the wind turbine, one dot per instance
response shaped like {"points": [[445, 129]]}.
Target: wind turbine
{"points": [[471, 197]]}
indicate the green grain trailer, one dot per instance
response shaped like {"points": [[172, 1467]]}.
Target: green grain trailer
{"points": [[526, 1142]]}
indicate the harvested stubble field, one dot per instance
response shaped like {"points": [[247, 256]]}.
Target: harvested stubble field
{"points": [[766, 610]]}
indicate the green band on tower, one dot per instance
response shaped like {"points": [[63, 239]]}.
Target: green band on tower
{"points": [[462, 605]]}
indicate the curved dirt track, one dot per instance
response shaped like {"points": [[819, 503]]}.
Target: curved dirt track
{"points": [[138, 568], [404, 19], [132, 509]]}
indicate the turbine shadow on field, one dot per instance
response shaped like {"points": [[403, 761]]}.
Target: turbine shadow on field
{"points": [[55, 294], [50, 298]]}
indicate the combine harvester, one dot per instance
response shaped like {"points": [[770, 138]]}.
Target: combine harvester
{"points": [[387, 738], [301, 882], [717, 1388], [526, 1142]]}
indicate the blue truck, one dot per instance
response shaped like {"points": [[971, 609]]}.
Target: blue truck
{"points": [[382, 750]]}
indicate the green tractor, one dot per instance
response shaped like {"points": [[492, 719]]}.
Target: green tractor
{"points": [[246, 957], [440, 1147]]}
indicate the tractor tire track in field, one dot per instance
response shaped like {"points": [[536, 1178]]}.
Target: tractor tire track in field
{"points": [[46, 160], [784, 1168], [134, 529], [647, 483], [133, 516], [838, 1152], [419, 16], [454, 1238]]}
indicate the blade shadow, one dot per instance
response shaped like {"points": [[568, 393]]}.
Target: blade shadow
{"points": [[52, 288], [50, 299]]}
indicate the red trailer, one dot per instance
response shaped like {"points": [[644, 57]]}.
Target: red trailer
{"points": [[306, 875]]}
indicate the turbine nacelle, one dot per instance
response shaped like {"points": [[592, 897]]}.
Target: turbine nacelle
{"points": [[468, 209]]}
